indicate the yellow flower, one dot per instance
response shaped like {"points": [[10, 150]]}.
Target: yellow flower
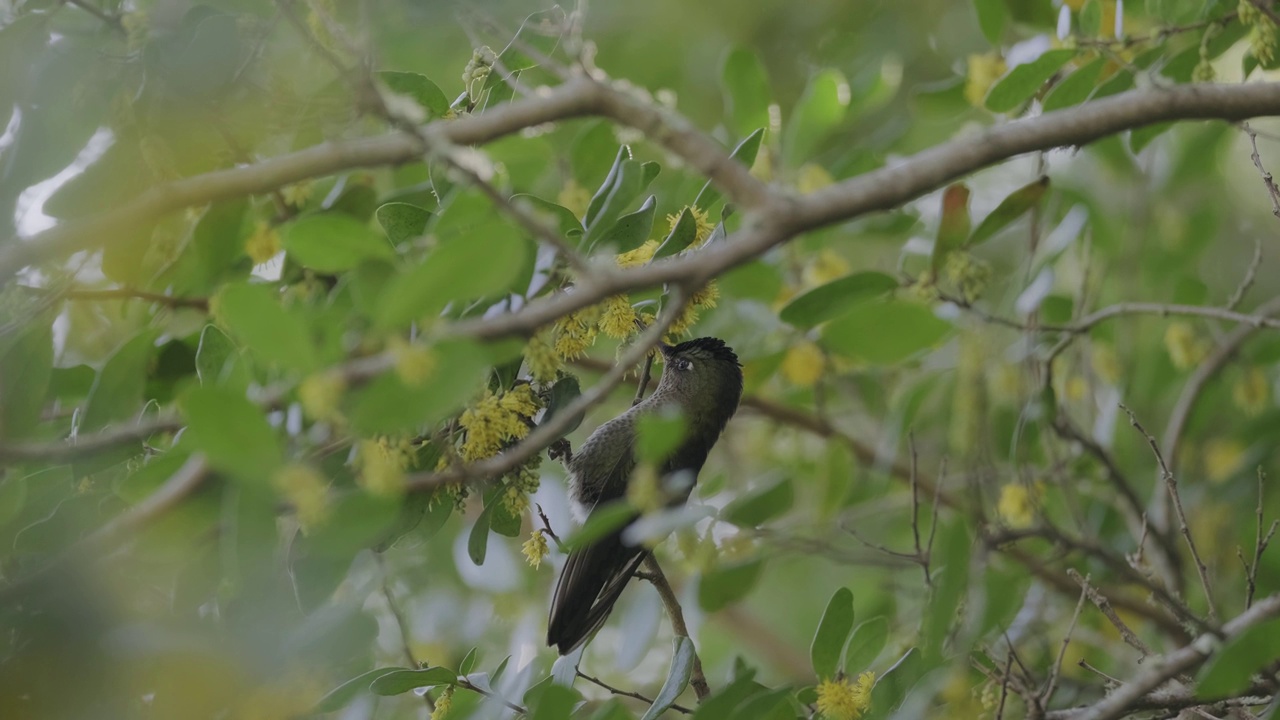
{"points": [[383, 464], [1017, 504], [618, 320], [844, 700], [684, 322], [1075, 5], [803, 364], [812, 177], [574, 197], [296, 195], [984, 70], [320, 395], [414, 363], [535, 549], [307, 491], [968, 274], [639, 256], [706, 296], [824, 267], [1186, 349], [1105, 363], [1252, 391], [1107, 26], [1222, 458], [263, 244], [576, 332], [444, 704], [496, 420], [541, 358]]}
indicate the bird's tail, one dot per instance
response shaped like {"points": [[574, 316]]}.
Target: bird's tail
{"points": [[590, 583]]}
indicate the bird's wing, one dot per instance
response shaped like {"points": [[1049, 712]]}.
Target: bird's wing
{"points": [[594, 577]]}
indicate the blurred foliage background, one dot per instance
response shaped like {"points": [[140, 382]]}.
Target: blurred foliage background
{"points": [[310, 565]]}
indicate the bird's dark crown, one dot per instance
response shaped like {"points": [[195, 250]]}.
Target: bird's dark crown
{"points": [[705, 347]]}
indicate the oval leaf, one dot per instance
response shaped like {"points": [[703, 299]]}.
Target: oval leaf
{"points": [[398, 682], [1011, 208], [420, 88], [727, 584], [678, 675], [744, 153], [819, 110], [333, 242], [746, 90], [865, 645], [339, 697], [1023, 81], [1230, 671], [402, 221], [256, 317], [835, 298], [761, 506], [885, 332], [233, 432], [833, 633]]}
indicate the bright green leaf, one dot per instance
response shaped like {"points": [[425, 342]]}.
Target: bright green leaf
{"points": [[828, 301], [761, 506], [1230, 671], [1011, 208], [746, 91], [833, 632], [630, 231], [819, 111], [727, 584], [25, 369], [1076, 87], [399, 682], [333, 242], [744, 153], [117, 393], [254, 314], [402, 221], [1024, 81], [232, 432], [992, 16], [885, 332], [865, 645]]}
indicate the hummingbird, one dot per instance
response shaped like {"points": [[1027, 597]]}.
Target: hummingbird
{"points": [[703, 380]]}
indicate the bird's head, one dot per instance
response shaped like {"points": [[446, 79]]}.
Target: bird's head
{"points": [[704, 374]]}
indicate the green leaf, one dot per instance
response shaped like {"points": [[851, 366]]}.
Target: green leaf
{"points": [[1230, 671], [659, 434], [255, 316], [333, 242], [744, 153], [399, 682], [565, 391], [865, 645], [630, 231], [420, 88], [1141, 137], [1076, 87], [341, 696], [611, 179], [761, 506], [885, 333], [833, 299], [727, 584], [232, 432], [819, 111], [1011, 208], [485, 263], [1090, 18], [555, 702], [953, 228], [949, 587], [564, 219], [746, 91], [360, 521], [478, 540], [389, 405], [992, 16], [682, 659], [117, 393], [680, 237], [218, 360], [1023, 81], [603, 520], [25, 369], [591, 153], [468, 661], [613, 709], [833, 633], [892, 686], [402, 221]]}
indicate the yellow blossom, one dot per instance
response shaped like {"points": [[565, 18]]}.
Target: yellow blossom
{"points": [[812, 177], [1107, 26], [1075, 5], [967, 274], [638, 256], [1186, 349], [263, 244], [843, 700], [1252, 391], [383, 464], [414, 363], [1222, 458], [321, 394], [307, 491], [984, 70], [574, 197], [296, 195], [496, 420], [706, 296], [803, 364], [1017, 504], [541, 357], [576, 332], [535, 549], [618, 319], [444, 704], [1105, 363], [824, 267], [684, 322]]}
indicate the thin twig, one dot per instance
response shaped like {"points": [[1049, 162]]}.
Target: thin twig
{"points": [[1250, 274], [406, 643], [1267, 179], [112, 21], [1100, 601], [629, 693], [1260, 544], [643, 383], [1004, 683], [915, 509], [1172, 484], [676, 614], [1052, 685]]}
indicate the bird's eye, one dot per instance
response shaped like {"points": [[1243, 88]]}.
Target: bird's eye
{"points": [[683, 364]]}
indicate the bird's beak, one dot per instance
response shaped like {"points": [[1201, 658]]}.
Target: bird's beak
{"points": [[665, 349]]}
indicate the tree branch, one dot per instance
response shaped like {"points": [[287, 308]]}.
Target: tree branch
{"points": [[676, 613]]}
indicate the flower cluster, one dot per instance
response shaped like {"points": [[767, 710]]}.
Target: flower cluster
{"points": [[478, 68], [840, 699], [967, 274], [496, 420], [307, 491], [321, 394], [1017, 504], [535, 549], [984, 70], [519, 484], [1186, 349], [383, 462], [1262, 32], [262, 244]]}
